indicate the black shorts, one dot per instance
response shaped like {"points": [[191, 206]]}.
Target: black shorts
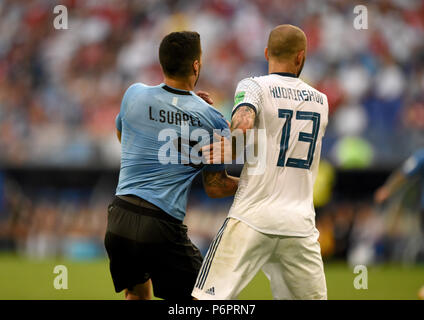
{"points": [[145, 244]]}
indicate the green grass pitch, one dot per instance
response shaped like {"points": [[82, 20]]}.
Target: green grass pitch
{"points": [[22, 278]]}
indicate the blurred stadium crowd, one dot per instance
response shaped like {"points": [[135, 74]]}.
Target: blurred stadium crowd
{"points": [[60, 91], [72, 224]]}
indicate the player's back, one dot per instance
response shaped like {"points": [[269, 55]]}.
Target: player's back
{"points": [[293, 115], [151, 119]]}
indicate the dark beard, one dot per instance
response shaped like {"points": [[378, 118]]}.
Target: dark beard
{"points": [[301, 67]]}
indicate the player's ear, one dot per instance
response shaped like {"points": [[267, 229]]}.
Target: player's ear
{"points": [[266, 54], [196, 67], [299, 57]]}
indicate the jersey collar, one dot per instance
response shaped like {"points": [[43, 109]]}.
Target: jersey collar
{"points": [[176, 91], [286, 74]]}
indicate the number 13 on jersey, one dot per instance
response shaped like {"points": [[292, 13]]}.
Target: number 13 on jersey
{"points": [[310, 138]]}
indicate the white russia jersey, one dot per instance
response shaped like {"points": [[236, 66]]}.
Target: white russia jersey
{"points": [[279, 200]]}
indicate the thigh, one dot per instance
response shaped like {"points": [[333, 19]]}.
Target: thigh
{"points": [[302, 267], [143, 247], [234, 257], [176, 264], [126, 267], [274, 272], [141, 291]]}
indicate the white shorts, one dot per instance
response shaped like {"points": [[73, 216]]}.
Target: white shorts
{"points": [[292, 264]]}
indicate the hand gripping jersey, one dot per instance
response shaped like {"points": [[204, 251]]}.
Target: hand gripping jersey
{"points": [[294, 116]]}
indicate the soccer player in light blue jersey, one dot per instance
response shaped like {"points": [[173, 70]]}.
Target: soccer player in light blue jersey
{"points": [[159, 128]]}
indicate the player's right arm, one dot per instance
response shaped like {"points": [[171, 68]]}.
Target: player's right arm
{"points": [[248, 101], [218, 184], [243, 119]]}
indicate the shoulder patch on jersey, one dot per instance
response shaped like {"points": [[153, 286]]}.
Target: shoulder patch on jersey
{"points": [[239, 97]]}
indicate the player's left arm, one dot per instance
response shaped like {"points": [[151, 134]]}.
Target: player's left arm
{"points": [[216, 181], [218, 184], [226, 148]]}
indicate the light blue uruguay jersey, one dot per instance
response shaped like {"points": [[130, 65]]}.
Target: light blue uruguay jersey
{"points": [[150, 121], [413, 167]]}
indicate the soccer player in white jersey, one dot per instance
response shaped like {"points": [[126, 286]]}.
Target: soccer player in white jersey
{"points": [[271, 224]]}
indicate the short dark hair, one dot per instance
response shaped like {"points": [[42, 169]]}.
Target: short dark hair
{"points": [[178, 51]]}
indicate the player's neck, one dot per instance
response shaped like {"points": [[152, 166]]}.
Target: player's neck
{"points": [[182, 84], [274, 67]]}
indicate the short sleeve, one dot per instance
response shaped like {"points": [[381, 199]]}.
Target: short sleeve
{"points": [[128, 99], [248, 93], [414, 164]]}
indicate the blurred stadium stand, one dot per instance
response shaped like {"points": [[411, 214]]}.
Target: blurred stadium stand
{"points": [[60, 91]]}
